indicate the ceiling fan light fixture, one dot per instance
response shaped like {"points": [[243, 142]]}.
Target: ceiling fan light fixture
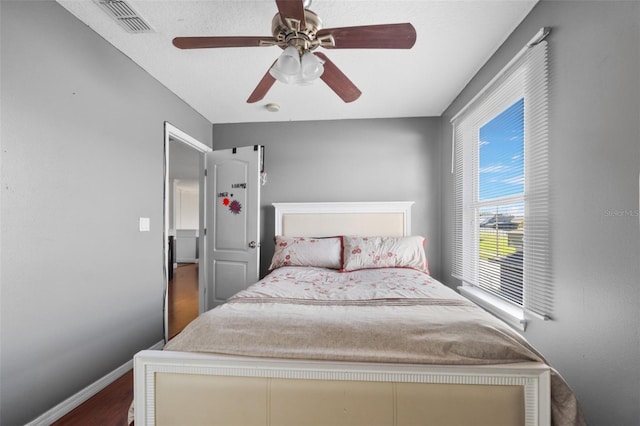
{"points": [[290, 68]]}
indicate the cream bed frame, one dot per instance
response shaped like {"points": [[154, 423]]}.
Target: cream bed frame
{"points": [[181, 388]]}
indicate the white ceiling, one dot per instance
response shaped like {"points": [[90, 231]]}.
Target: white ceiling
{"points": [[454, 39]]}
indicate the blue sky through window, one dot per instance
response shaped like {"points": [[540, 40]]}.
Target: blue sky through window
{"points": [[501, 148]]}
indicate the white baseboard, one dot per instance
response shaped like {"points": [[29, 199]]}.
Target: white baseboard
{"points": [[69, 404]]}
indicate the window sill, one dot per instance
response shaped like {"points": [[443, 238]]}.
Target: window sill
{"points": [[512, 315]]}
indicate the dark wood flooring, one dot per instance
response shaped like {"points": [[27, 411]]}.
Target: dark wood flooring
{"points": [[183, 297], [110, 406]]}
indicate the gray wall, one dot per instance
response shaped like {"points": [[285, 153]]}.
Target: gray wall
{"points": [[82, 159], [348, 160], [594, 339]]}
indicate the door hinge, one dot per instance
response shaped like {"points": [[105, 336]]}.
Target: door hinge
{"points": [[205, 172], [205, 231]]}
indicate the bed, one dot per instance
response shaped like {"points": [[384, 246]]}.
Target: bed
{"points": [[348, 329]]}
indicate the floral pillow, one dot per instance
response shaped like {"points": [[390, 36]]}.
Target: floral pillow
{"points": [[305, 251], [384, 252]]}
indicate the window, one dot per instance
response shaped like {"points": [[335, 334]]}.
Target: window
{"points": [[499, 206], [501, 235]]}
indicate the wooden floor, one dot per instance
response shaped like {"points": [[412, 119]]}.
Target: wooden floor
{"points": [[183, 297], [110, 406]]}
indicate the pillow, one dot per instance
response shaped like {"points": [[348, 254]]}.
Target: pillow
{"points": [[305, 251], [384, 252]]}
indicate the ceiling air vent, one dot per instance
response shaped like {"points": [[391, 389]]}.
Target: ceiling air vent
{"points": [[124, 15]]}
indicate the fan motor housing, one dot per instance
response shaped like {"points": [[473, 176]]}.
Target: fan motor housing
{"points": [[291, 34]]}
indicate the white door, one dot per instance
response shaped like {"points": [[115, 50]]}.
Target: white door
{"points": [[233, 221]]}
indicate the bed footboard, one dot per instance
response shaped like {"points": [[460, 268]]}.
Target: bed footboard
{"points": [[185, 388]]}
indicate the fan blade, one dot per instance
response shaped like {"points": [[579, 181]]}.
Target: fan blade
{"points": [[291, 9], [385, 36], [212, 42], [263, 87], [337, 81]]}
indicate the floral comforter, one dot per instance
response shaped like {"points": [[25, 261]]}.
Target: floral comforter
{"points": [[378, 315]]}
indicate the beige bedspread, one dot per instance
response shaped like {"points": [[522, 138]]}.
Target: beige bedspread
{"points": [[383, 315]]}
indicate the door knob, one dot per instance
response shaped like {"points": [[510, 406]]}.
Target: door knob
{"points": [[253, 244]]}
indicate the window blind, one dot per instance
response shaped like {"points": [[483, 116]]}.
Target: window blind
{"points": [[501, 168]]}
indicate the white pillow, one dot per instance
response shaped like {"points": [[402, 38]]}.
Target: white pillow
{"points": [[307, 251], [384, 252]]}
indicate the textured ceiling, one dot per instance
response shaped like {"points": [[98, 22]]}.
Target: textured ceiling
{"points": [[454, 39]]}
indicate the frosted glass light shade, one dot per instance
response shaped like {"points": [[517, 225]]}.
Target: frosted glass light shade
{"points": [[291, 69], [311, 67], [289, 61], [280, 76]]}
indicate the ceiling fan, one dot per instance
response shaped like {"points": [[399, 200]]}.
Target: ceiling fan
{"points": [[299, 32]]}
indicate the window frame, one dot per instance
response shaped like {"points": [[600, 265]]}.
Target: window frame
{"points": [[524, 77]]}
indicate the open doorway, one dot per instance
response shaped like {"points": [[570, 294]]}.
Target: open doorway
{"points": [[183, 243]]}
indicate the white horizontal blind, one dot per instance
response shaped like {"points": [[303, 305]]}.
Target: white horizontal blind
{"points": [[537, 264], [501, 231]]}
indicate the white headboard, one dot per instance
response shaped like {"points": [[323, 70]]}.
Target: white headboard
{"points": [[384, 218]]}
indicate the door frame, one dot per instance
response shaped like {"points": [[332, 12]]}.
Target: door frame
{"points": [[171, 132]]}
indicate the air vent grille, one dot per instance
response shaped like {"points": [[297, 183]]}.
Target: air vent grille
{"points": [[125, 16]]}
